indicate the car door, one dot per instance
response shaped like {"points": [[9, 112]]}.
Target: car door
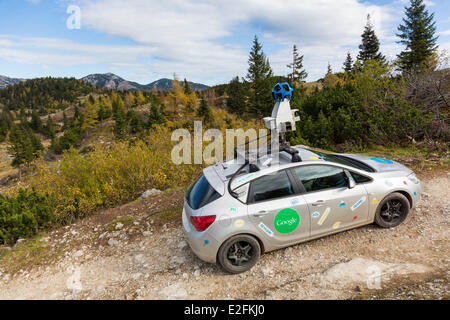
{"points": [[333, 205], [277, 209]]}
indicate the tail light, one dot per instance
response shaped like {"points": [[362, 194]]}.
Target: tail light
{"points": [[200, 223]]}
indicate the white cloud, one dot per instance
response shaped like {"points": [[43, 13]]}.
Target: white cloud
{"points": [[444, 33], [190, 37]]}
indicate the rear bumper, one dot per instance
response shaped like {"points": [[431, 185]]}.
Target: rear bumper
{"points": [[202, 243]]}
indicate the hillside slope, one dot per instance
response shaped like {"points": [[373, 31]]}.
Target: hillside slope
{"points": [[141, 251]]}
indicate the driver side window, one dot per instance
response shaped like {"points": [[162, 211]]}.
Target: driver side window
{"points": [[321, 177]]}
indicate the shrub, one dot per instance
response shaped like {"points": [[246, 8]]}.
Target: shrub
{"points": [[110, 175], [24, 214]]}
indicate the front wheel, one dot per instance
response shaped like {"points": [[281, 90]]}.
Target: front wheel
{"points": [[239, 253], [392, 211]]}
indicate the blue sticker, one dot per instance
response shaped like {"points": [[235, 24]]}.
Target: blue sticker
{"points": [[342, 204], [294, 201], [381, 160], [415, 193], [205, 242], [388, 183], [358, 203], [315, 214]]}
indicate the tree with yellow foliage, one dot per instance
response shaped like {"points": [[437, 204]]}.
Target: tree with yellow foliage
{"points": [[90, 115]]}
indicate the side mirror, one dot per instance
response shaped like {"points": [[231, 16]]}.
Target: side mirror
{"points": [[351, 183]]}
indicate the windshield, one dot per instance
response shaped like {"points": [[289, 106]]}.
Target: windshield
{"points": [[344, 160], [201, 193]]}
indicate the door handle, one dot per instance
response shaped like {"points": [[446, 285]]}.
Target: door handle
{"points": [[318, 203], [260, 213]]}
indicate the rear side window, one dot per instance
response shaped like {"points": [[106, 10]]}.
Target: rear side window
{"points": [[315, 178], [271, 187], [201, 194], [359, 178]]}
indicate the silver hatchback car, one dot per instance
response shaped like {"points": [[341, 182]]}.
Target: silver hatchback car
{"points": [[233, 213]]}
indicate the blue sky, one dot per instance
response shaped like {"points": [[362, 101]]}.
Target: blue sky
{"points": [[205, 41]]}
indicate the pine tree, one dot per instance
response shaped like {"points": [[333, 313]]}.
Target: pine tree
{"points": [[36, 123], [297, 74], [204, 110], [186, 87], [23, 146], [259, 71], [50, 128], [370, 45], [66, 122], [156, 115], [329, 70], [348, 63], [236, 96], [417, 33]]}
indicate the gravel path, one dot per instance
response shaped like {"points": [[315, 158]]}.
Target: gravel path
{"points": [[147, 258]]}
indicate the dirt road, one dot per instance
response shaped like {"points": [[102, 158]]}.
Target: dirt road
{"points": [[132, 253]]}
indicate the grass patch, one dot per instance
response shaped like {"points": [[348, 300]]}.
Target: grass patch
{"points": [[168, 215], [31, 252], [126, 221]]}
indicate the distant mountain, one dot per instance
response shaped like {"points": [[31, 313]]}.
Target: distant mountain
{"points": [[112, 81], [6, 81], [166, 84]]}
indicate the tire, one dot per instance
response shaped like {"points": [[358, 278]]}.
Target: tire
{"points": [[244, 248], [392, 211]]}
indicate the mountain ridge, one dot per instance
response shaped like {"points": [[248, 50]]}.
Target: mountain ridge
{"points": [[112, 81]]}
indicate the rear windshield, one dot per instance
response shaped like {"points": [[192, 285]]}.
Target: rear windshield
{"points": [[201, 193]]}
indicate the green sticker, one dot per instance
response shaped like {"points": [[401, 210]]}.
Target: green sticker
{"points": [[286, 221]]}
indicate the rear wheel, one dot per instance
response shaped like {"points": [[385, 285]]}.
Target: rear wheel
{"points": [[392, 211], [239, 253]]}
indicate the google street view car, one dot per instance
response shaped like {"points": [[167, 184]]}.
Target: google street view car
{"points": [[236, 211]]}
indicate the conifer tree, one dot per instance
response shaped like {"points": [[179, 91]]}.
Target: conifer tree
{"points": [[348, 63], [50, 128], [36, 123], [259, 71], [24, 146], [90, 116], [236, 96], [417, 33], [297, 74], [204, 110], [370, 45], [186, 87]]}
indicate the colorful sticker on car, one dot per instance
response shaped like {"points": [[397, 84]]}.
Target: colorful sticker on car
{"points": [[233, 210], [336, 225], [294, 202], [263, 227], [315, 214], [342, 204], [374, 201], [355, 217], [358, 203], [205, 242], [314, 158], [239, 223], [381, 160], [286, 221], [246, 177], [404, 182], [324, 216], [415, 193]]}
